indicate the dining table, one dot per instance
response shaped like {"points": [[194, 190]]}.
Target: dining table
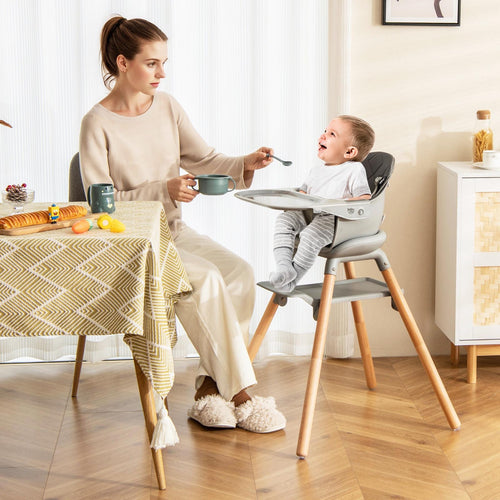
{"points": [[99, 282]]}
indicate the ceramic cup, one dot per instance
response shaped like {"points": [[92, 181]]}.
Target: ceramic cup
{"points": [[491, 159], [101, 198], [213, 184]]}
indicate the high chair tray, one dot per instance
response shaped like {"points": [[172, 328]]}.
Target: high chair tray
{"points": [[290, 199]]}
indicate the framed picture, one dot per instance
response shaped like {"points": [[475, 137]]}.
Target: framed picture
{"points": [[421, 12]]}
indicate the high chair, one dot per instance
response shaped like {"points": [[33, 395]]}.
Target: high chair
{"points": [[357, 237]]}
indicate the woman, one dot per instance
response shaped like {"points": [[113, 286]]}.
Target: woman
{"points": [[138, 139]]}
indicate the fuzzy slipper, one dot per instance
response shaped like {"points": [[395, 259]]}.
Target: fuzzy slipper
{"points": [[213, 411], [260, 415]]}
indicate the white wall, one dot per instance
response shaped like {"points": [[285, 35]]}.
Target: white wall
{"points": [[420, 87]]}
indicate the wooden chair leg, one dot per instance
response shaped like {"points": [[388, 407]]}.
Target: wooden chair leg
{"points": [[80, 351], [315, 366], [148, 408], [421, 348], [471, 364], [454, 354], [359, 322], [262, 328]]}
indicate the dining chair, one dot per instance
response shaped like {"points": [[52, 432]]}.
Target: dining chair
{"points": [[76, 192], [358, 237]]}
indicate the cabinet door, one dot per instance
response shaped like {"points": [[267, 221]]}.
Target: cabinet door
{"points": [[478, 273]]}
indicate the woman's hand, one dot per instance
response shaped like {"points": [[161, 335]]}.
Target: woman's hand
{"points": [[179, 190], [259, 159], [254, 161]]}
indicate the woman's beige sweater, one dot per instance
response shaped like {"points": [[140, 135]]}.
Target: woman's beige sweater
{"points": [[139, 154]]}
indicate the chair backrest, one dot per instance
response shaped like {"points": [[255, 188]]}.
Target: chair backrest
{"points": [[379, 167], [76, 191]]}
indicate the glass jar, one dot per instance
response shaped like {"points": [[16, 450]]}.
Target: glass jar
{"points": [[483, 135]]}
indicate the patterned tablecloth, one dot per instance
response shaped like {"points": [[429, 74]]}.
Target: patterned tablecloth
{"points": [[98, 283]]}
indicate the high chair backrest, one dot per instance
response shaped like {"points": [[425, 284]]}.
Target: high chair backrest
{"points": [[379, 167]]}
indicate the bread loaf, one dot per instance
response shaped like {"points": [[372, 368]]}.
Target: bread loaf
{"points": [[72, 212], [41, 217]]}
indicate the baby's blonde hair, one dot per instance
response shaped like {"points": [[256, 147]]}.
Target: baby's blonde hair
{"points": [[363, 136]]}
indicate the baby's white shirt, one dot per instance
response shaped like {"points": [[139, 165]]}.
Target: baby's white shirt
{"points": [[347, 180]]}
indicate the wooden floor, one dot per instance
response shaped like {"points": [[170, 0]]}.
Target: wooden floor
{"points": [[393, 442]]}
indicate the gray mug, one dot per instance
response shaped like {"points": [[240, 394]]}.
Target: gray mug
{"points": [[214, 184], [101, 198]]}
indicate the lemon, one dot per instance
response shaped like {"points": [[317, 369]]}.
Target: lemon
{"points": [[116, 226], [104, 221]]}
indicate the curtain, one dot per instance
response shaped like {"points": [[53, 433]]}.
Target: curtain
{"points": [[248, 73]]}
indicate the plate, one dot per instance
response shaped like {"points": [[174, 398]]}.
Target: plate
{"points": [[480, 164]]}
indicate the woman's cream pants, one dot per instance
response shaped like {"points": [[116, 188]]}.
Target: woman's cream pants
{"points": [[216, 315]]}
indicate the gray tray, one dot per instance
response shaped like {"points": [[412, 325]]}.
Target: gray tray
{"points": [[290, 199]]}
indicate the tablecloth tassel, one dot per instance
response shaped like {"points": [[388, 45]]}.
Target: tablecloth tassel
{"points": [[164, 433]]}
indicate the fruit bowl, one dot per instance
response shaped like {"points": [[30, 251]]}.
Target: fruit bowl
{"points": [[18, 196]]}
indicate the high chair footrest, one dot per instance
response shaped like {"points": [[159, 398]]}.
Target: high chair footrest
{"points": [[349, 290]]}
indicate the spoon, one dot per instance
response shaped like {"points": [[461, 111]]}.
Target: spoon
{"points": [[285, 163]]}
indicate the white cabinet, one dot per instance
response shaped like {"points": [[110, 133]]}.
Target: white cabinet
{"points": [[468, 259]]}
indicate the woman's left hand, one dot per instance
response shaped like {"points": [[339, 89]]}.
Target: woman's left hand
{"points": [[259, 159]]}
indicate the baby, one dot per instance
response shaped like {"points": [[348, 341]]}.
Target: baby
{"points": [[344, 144]]}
